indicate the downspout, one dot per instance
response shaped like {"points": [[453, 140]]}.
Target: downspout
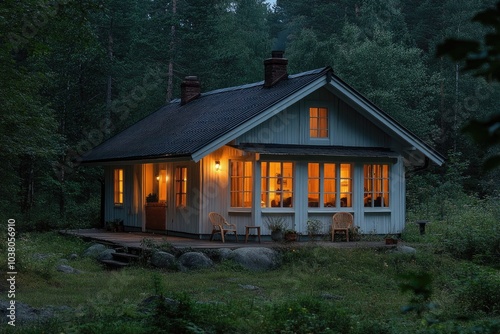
{"points": [[419, 168]]}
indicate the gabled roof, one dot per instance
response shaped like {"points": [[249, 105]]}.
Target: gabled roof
{"points": [[193, 130], [177, 130]]}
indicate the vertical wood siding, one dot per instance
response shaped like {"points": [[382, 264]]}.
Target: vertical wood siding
{"points": [[291, 126], [208, 190]]}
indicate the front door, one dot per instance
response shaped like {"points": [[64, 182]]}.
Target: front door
{"points": [[155, 192]]}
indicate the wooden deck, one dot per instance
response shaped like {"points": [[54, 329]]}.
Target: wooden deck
{"points": [[134, 240]]}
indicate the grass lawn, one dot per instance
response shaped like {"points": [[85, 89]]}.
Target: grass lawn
{"points": [[316, 290]]}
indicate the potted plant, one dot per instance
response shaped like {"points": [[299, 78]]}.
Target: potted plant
{"points": [[354, 234], [152, 198], [314, 228], [391, 239], [276, 225], [291, 235]]}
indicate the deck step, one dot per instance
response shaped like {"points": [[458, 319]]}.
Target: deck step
{"points": [[113, 264], [125, 257]]}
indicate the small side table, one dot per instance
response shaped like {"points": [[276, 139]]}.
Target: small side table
{"points": [[247, 232]]}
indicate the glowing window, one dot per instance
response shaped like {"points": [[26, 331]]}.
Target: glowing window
{"points": [[376, 184], [328, 182], [118, 186], [241, 184], [318, 122], [277, 184], [180, 186]]}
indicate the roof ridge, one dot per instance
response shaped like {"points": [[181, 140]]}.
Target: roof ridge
{"points": [[261, 83]]}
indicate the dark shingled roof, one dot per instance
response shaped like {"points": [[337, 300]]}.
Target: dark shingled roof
{"points": [[177, 130]]}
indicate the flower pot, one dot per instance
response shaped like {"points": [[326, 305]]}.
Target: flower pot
{"points": [[291, 236], [391, 241], [277, 235]]}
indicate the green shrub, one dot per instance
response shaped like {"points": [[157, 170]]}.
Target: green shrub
{"points": [[308, 315], [470, 231], [480, 292]]}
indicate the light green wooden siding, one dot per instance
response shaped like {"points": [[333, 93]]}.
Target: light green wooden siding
{"points": [[370, 220], [291, 126], [130, 212]]}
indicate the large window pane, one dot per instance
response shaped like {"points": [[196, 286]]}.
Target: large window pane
{"points": [[330, 185], [181, 186], [118, 186], [346, 185], [376, 185], [313, 185], [318, 122], [241, 184], [277, 184]]}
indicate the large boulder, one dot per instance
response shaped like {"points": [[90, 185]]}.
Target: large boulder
{"points": [[106, 254], [225, 253], [405, 250], [94, 250], [162, 260], [194, 260], [257, 258]]}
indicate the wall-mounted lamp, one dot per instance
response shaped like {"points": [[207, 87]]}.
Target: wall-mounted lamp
{"points": [[217, 166], [158, 178]]}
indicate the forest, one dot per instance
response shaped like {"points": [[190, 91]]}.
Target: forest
{"points": [[74, 73]]}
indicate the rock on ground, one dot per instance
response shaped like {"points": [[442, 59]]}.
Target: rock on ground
{"points": [[94, 250], [225, 253], [257, 258], [194, 260], [67, 269], [162, 260], [106, 254], [405, 250], [25, 313]]}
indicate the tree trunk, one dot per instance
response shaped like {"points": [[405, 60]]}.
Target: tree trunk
{"points": [[109, 89], [170, 79]]}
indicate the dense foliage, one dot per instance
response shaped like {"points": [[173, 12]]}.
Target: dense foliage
{"points": [[75, 72]]}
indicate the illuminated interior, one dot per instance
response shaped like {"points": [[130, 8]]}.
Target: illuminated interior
{"points": [[277, 184], [181, 186], [118, 186], [376, 185], [313, 184], [241, 184], [330, 185], [346, 185], [318, 122], [322, 183], [162, 184]]}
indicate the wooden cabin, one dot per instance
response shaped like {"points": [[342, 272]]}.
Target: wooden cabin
{"points": [[300, 147]]}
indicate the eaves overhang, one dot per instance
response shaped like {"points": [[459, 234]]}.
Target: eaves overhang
{"points": [[380, 118]]}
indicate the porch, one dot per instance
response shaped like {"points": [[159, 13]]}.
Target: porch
{"points": [[134, 240]]}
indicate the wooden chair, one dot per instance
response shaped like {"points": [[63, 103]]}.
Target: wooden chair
{"points": [[342, 221], [220, 225]]}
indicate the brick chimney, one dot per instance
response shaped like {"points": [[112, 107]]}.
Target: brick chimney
{"points": [[190, 89], [275, 69]]}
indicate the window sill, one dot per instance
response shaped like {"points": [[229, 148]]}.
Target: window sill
{"points": [[278, 210], [239, 210], [377, 210]]}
